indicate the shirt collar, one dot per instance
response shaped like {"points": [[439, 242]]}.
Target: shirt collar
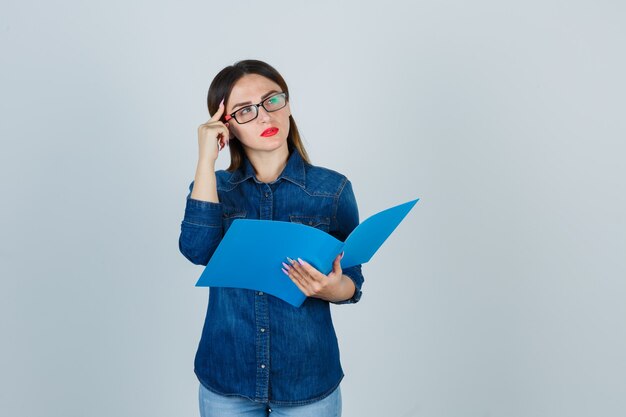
{"points": [[293, 171]]}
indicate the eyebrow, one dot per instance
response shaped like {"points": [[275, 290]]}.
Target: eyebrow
{"points": [[263, 97]]}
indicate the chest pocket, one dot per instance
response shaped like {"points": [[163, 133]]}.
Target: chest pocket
{"points": [[230, 216], [319, 222]]}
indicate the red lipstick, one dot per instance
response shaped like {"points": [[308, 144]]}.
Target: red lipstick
{"points": [[270, 131]]}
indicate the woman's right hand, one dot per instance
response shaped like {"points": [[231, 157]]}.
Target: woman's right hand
{"points": [[213, 136]]}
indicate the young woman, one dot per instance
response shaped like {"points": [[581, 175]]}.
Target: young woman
{"points": [[259, 354]]}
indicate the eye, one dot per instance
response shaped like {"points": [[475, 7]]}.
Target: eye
{"points": [[245, 110]]}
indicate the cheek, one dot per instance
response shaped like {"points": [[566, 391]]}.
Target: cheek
{"points": [[285, 114], [243, 133], [236, 131], [284, 120]]}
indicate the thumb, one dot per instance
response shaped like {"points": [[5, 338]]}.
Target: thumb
{"points": [[337, 264]]}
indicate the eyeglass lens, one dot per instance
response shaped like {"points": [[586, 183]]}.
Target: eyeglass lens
{"points": [[273, 103]]}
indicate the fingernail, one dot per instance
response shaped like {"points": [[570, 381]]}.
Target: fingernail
{"points": [[301, 262], [342, 254], [286, 266], [286, 273], [290, 260]]}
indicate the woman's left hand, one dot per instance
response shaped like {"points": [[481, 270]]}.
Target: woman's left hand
{"points": [[312, 282]]}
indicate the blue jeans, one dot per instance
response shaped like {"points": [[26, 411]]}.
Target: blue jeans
{"points": [[215, 405]]}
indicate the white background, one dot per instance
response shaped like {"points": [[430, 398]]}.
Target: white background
{"points": [[501, 294]]}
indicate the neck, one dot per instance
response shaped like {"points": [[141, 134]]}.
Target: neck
{"points": [[269, 165]]}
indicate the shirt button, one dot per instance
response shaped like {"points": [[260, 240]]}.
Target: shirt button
{"points": [[266, 195], [262, 330], [263, 366], [260, 292]]}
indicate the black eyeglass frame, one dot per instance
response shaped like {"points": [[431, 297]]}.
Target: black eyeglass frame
{"points": [[232, 115]]}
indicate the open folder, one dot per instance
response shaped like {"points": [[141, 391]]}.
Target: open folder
{"points": [[251, 252]]}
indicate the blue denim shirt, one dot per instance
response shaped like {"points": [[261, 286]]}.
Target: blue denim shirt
{"points": [[253, 344]]}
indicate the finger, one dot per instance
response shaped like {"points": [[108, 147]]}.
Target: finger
{"points": [[216, 126], [290, 272], [300, 273], [300, 286], [218, 114], [311, 285], [293, 267], [310, 270], [221, 132], [223, 141]]}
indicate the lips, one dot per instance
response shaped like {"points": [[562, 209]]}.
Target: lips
{"points": [[270, 131]]}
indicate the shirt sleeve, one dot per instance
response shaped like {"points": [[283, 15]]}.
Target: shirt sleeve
{"points": [[347, 217], [201, 229]]}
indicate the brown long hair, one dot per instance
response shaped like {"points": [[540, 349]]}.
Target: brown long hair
{"points": [[222, 85]]}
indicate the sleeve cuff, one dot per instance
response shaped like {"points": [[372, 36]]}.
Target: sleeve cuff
{"points": [[355, 297], [203, 213]]}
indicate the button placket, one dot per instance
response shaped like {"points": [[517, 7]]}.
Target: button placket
{"points": [[262, 311], [262, 346]]}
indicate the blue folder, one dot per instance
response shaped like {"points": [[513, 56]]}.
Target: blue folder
{"points": [[251, 253]]}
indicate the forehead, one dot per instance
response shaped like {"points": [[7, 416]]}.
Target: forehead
{"points": [[251, 87]]}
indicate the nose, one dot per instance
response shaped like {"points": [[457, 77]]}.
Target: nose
{"points": [[263, 114]]}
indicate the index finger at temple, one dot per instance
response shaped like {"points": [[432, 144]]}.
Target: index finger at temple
{"points": [[218, 113]]}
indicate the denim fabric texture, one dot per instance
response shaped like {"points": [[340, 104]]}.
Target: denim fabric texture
{"points": [[253, 344]]}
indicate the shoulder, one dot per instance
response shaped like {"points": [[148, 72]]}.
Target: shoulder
{"points": [[222, 178], [322, 180], [222, 175]]}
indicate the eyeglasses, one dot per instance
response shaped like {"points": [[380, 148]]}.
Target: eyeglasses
{"points": [[249, 113]]}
